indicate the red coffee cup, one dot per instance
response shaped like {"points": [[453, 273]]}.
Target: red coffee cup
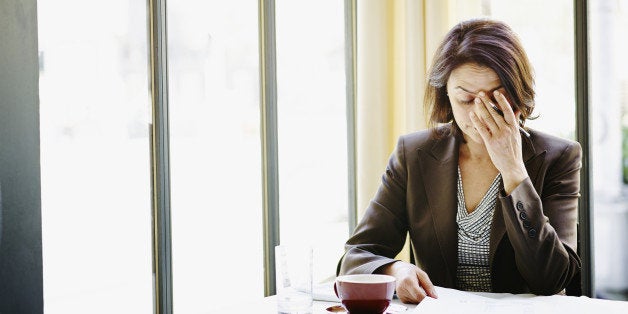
{"points": [[365, 293]]}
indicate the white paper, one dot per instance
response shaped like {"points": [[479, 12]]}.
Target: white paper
{"points": [[455, 301], [324, 292]]}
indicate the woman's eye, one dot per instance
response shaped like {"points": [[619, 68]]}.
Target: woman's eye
{"points": [[466, 102]]}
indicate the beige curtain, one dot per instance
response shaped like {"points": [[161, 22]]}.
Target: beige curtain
{"points": [[396, 40]]}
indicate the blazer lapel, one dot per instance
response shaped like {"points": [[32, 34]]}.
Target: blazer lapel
{"points": [[533, 162], [439, 166]]}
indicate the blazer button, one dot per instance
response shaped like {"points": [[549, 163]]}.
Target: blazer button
{"points": [[523, 215], [519, 205], [526, 224], [389, 173], [532, 233]]}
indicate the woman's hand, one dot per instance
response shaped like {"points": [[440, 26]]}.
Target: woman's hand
{"points": [[413, 284], [501, 138]]}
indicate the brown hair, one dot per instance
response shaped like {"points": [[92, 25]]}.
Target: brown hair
{"points": [[487, 43]]}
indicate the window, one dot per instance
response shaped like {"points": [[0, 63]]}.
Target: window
{"points": [[214, 153], [608, 105], [95, 157], [96, 162], [312, 128]]}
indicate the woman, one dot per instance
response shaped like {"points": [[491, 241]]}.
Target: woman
{"points": [[488, 205]]}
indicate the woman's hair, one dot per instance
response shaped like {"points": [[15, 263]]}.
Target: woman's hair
{"points": [[487, 43]]}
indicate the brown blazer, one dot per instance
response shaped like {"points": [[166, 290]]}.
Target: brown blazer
{"points": [[533, 234]]}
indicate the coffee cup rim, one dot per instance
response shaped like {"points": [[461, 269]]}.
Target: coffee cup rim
{"points": [[366, 278]]}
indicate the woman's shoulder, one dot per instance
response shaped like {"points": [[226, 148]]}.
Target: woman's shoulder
{"points": [[541, 138], [426, 139], [553, 144]]}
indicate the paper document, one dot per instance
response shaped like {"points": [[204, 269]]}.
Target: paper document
{"points": [[324, 292], [455, 301]]}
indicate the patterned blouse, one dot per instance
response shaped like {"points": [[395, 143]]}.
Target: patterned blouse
{"points": [[473, 272]]}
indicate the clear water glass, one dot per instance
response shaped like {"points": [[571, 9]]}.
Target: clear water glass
{"points": [[293, 268]]}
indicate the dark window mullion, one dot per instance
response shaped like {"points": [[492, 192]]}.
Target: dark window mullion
{"points": [[160, 158], [585, 219], [350, 74], [268, 115]]}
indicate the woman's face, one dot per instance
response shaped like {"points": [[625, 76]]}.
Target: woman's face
{"points": [[464, 83]]}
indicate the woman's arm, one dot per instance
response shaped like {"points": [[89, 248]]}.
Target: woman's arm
{"points": [[543, 229], [381, 233]]}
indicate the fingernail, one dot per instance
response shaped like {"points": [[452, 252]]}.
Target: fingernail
{"points": [[496, 93], [482, 94], [477, 100], [434, 293]]}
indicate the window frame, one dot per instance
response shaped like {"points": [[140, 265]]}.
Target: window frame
{"points": [[160, 134], [585, 217]]}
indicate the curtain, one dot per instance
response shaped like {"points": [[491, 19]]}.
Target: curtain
{"points": [[396, 41]]}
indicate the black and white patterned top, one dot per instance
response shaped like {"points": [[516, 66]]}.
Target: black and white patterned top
{"points": [[474, 229]]}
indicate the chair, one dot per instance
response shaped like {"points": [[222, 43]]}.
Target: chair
{"points": [[581, 282], [0, 215]]}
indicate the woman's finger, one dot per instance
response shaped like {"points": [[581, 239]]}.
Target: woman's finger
{"points": [[409, 291], [492, 109], [482, 111], [504, 105], [480, 127], [426, 284], [417, 294]]}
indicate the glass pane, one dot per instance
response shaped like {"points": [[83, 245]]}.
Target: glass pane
{"points": [[312, 126], [547, 36], [608, 30], [95, 158], [215, 154]]}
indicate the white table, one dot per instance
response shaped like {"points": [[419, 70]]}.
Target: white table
{"points": [[454, 301], [268, 305]]}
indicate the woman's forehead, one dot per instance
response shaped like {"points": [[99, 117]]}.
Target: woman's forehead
{"points": [[474, 78]]}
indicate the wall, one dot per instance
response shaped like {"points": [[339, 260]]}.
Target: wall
{"points": [[20, 250]]}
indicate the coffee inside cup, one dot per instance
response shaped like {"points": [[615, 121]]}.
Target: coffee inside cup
{"points": [[365, 293]]}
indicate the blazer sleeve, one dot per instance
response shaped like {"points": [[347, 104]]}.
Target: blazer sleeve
{"points": [[543, 228], [381, 233]]}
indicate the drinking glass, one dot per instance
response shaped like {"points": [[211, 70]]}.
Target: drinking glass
{"points": [[293, 269]]}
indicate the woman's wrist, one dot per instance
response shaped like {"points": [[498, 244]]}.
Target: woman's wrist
{"points": [[513, 178], [389, 269]]}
